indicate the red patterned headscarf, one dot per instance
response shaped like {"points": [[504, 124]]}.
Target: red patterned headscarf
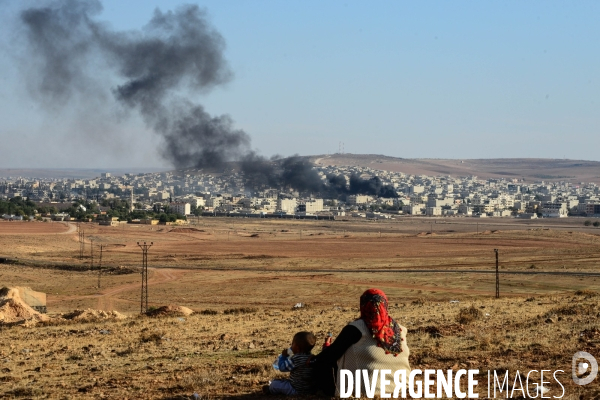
{"points": [[374, 311]]}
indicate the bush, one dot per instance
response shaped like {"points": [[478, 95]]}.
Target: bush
{"points": [[586, 292], [241, 310], [155, 337], [596, 224], [467, 315], [208, 312], [577, 309], [587, 222], [418, 302]]}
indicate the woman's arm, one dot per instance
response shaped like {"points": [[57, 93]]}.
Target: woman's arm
{"points": [[347, 337]]}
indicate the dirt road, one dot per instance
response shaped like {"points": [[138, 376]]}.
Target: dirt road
{"points": [[107, 298], [72, 229]]}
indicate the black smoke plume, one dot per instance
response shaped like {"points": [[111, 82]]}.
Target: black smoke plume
{"points": [[175, 50], [357, 185], [294, 172], [73, 54], [297, 173]]}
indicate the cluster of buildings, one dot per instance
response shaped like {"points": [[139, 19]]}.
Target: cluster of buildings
{"points": [[188, 192]]}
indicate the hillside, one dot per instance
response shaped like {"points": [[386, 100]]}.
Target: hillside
{"points": [[530, 169]]}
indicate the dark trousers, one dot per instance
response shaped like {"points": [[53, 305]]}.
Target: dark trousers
{"points": [[324, 375]]}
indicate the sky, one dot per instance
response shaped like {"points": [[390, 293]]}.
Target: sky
{"points": [[420, 79]]}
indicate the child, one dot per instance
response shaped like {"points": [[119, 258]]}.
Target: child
{"points": [[301, 380]]}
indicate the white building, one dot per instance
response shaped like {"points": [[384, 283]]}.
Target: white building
{"points": [[415, 189], [465, 209], [198, 202], [355, 200], [180, 208], [311, 206], [287, 205], [214, 202], [163, 195], [432, 211], [555, 210], [413, 209]]}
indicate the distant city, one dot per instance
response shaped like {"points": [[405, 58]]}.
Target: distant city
{"points": [[175, 197]]}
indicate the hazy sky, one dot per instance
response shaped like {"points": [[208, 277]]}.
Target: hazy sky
{"points": [[420, 79]]}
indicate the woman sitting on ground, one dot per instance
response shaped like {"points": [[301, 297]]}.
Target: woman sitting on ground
{"points": [[374, 341]]}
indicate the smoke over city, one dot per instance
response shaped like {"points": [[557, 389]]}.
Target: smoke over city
{"points": [[69, 53], [148, 68]]}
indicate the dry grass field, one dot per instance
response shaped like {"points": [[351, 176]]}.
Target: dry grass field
{"points": [[242, 278]]}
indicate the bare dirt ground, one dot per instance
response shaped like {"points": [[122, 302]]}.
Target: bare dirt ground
{"points": [[13, 228], [264, 267]]}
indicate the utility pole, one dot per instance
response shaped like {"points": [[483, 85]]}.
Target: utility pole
{"points": [[81, 243], [144, 297], [497, 276], [92, 253], [100, 266]]}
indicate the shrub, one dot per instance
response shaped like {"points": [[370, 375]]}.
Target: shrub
{"points": [[156, 337], [586, 292], [418, 302], [241, 310], [596, 224], [577, 309], [587, 222], [468, 315]]}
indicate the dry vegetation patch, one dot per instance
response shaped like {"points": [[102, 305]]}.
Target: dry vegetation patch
{"points": [[90, 315], [468, 315], [229, 355], [170, 310]]}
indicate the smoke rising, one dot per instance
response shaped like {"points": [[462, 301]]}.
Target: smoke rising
{"points": [[70, 54], [175, 50], [297, 173]]}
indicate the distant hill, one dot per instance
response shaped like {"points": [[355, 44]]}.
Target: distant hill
{"points": [[530, 169], [73, 173]]}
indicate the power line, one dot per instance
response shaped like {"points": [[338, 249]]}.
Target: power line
{"points": [[81, 243], [100, 266], [497, 276], [144, 297]]}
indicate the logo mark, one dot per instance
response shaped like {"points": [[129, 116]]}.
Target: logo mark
{"points": [[580, 368]]}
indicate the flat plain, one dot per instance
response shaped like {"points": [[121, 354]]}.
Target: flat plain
{"points": [[243, 276]]}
